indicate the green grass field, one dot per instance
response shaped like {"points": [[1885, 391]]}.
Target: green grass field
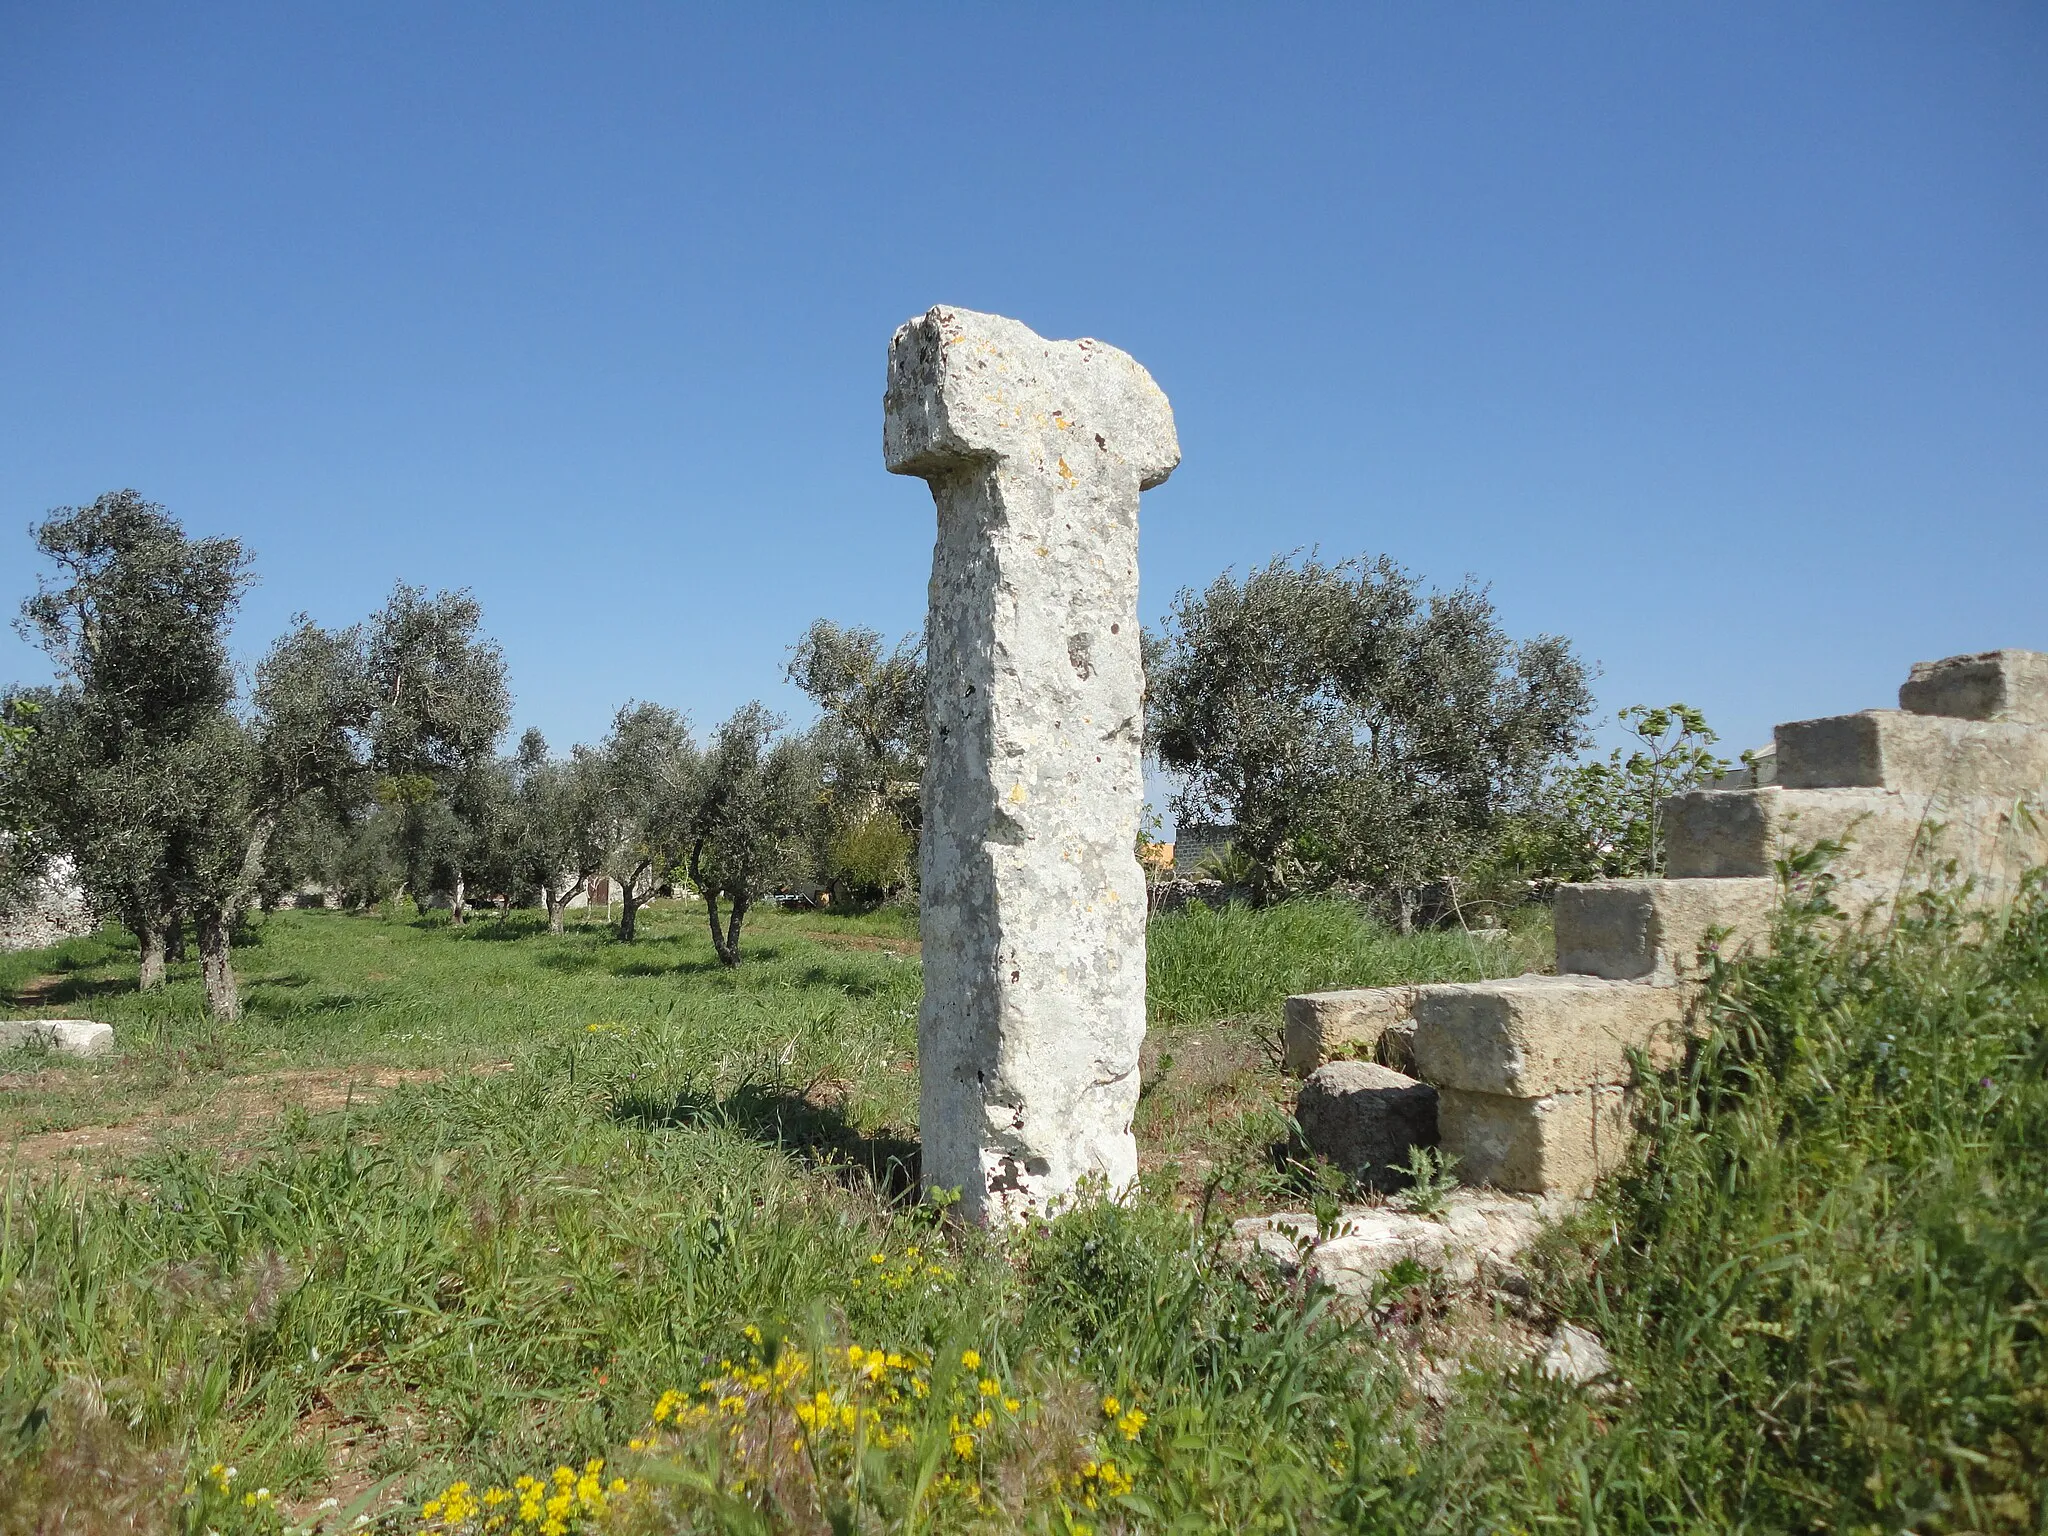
{"points": [[457, 1207]]}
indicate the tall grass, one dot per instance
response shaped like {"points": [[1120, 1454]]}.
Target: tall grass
{"points": [[1822, 1285], [1244, 961]]}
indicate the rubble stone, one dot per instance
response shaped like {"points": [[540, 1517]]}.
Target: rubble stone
{"points": [[1477, 1235]]}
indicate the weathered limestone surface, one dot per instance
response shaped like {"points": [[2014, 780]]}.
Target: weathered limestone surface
{"points": [[1557, 1144], [1320, 1024], [1536, 1035], [1895, 840], [1991, 685], [1033, 900], [1653, 930], [68, 1037], [1920, 754], [1364, 1117], [1479, 1234]]}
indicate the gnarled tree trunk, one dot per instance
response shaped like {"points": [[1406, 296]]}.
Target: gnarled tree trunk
{"points": [[149, 938], [457, 902], [632, 892], [223, 999], [174, 937]]}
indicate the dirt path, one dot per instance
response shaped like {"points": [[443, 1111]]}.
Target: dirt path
{"points": [[36, 991], [239, 1106]]}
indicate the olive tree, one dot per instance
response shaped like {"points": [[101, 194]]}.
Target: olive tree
{"points": [[1350, 726], [135, 621], [559, 804], [756, 794], [644, 770], [441, 705], [870, 744]]}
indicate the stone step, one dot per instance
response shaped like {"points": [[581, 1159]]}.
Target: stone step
{"points": [[1919, 753], [1322, 1025], [1653, 930], [1557, 1144], [1991, 685], [1895, 840], [1530, 1036]]}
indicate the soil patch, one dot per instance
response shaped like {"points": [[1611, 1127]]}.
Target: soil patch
{"points": [[241, 1105], [36, 991], [860, 941]]}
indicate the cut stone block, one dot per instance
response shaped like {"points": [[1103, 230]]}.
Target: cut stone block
{"points": [[1364, 1117], [1321, 1024], [1921, 754], [68, 1037], [1558, 1144], [1536, 1035], [1653, 930], [1896, 841], [1717, 834], [1991, 685]]}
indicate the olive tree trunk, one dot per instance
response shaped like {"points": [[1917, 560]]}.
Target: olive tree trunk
{"points": [[149, 938], [223, 998]]}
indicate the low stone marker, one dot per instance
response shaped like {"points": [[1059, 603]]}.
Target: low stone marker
{"points": [[67, 1037], [1033, 901]]}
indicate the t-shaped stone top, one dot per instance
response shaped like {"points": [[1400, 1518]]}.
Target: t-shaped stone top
{"points": [[966, 387]]}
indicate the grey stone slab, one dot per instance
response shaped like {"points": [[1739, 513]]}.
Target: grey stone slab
{"points": [[1365, 1117], [68, 1037], [1654, 930], [1990, 685], [1536, 1035], [1033, 901]]}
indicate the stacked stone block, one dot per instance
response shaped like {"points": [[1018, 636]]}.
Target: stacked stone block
{"points": [[1533, 1074]]}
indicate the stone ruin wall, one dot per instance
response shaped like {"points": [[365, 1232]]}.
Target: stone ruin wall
{"points": [[1532, 1075], [48, 910]]}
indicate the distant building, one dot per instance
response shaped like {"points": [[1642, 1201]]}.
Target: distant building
{"points": [[1195, 842]]}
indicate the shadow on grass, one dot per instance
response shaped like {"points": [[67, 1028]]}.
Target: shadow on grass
{"points": [[853, 981], [814, 1131]]}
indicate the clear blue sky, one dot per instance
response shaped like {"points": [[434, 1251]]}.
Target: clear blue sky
{"points": [[1714, 337]]}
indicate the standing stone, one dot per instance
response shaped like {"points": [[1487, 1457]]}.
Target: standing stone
{"points": [[1033, 918]]}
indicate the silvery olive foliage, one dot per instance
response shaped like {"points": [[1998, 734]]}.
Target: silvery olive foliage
{"points": [[1352, 727]]}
